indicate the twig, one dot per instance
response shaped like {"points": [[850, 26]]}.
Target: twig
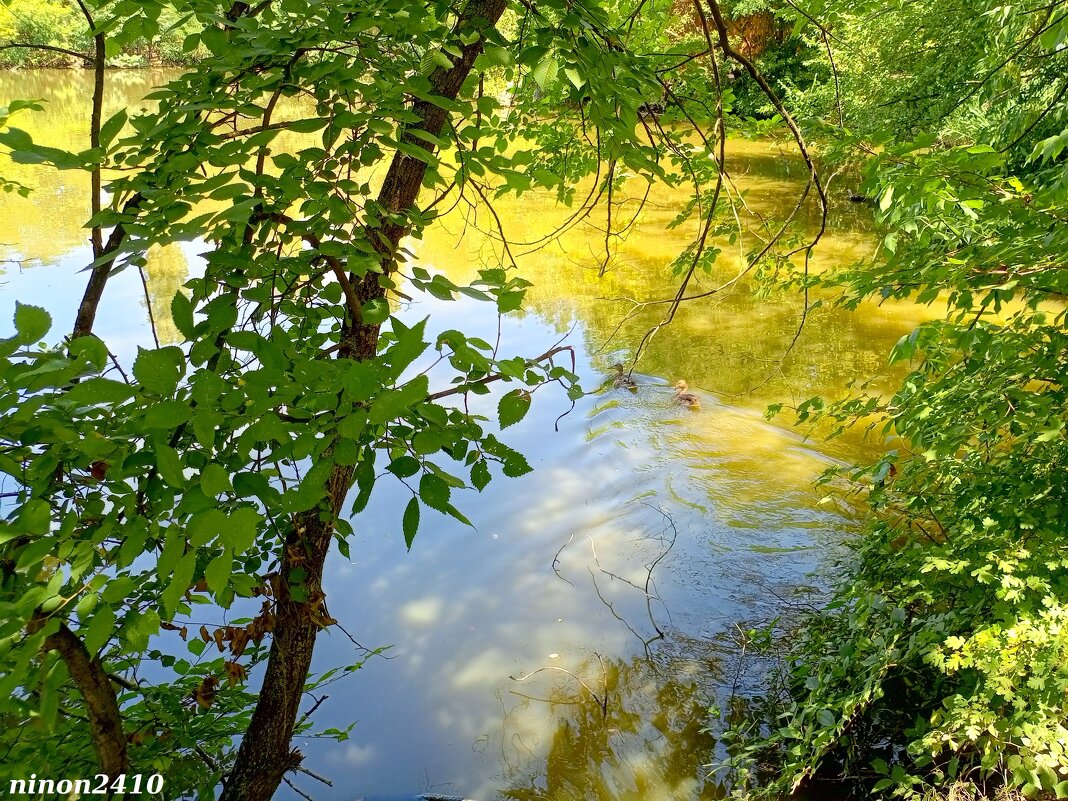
{"points": [[556, 559], [35, 46], [314, 775], [463, 389], [353, 302], [603, 702], [310, 712], [297, 790], [148, 305]]}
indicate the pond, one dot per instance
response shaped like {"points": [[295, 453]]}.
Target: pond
{"points": [[569, 644]]}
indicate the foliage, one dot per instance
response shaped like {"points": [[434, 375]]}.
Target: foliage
{"points": [[61, 25], [785, 60], [222, 471], [45, 22], [941, 658], [215, 474]]}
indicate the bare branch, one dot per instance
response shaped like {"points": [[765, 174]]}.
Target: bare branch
{"points": [[54, 49]]}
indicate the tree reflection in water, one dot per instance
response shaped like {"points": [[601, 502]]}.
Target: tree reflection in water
{"points": [[622, 729], [636, 731]]}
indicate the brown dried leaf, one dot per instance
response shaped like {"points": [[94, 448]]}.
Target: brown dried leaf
{"points": [[235, 672], [205, 692]]}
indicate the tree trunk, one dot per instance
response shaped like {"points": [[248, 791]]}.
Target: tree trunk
{"points": [[265, 756], [101, 705]]}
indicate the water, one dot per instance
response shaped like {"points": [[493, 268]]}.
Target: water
{"points": [[569, 644]]}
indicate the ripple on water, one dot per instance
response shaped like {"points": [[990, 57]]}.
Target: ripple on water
{"points": [[524, 650]]}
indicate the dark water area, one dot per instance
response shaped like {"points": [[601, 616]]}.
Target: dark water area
{"points": [[569, 644]]}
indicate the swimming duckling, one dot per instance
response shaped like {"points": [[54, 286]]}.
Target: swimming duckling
{"points": [[622, 379], [684, 397]]}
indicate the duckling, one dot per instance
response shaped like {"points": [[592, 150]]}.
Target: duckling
{"points": [[684, 397], [622, 379]]}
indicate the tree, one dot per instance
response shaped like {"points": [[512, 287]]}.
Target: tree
{"points": [[941, 657], [53, 33], [220, 471]]}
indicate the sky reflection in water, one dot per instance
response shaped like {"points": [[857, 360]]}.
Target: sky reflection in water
{"points": [[532, 657]]}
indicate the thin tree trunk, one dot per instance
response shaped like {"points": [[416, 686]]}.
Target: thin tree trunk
{"points": [[86, 669], [264, 756], [98, 278], [101, 704]]}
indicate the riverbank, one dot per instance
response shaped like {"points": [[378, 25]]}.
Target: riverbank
{"points": [[585, 620], [43, 34]]}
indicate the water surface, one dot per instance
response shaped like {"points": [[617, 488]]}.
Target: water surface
{"points": [[569, 644]]}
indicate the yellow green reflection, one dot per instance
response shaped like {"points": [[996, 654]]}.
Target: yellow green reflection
{"points": [[619, 730], [632, 727]]}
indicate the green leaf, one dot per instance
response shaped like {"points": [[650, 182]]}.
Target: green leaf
{"points": [[480, 475], [25, 151], [182, 314], [434, 58], [360, 381], [544, 72], [217, 573], [452, 511], [35, 517], [110, 129], [244, 340], [241, 529], [407, 348], [393, 403], [118, 589], [493, 56], [215, 480], [572, 75], [91, 349], [434, 492], [513, 407], [167, 415], [510, 301], [353, 425], [100, 390], [139, 628], [159, 371], [206, 525], [31, 323], [100, 629], [886, 199], [411, 521], [34, 553], [180, 581], [309, 125], [404, 466], [516, 465], [170, 466], [375, 311]]}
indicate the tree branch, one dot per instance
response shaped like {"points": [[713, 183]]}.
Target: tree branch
{"points": [[465, 388], [351, 301], [265, 756], [35, 46], [87, 672]]}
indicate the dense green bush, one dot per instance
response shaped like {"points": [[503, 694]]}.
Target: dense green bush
{"points": [[41, 22], [61, 25], [941, 658]]}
